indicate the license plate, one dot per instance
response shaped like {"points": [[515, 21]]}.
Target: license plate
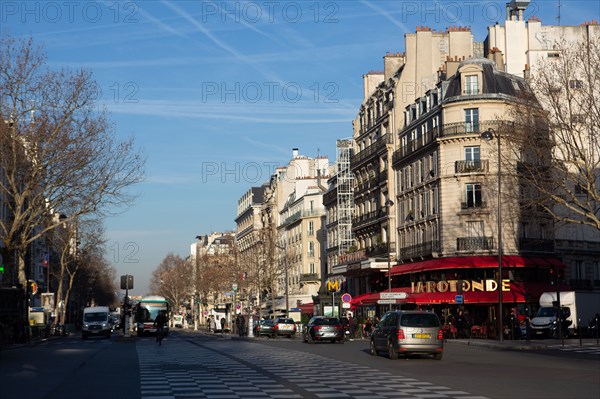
{"points": [[284, 327], [423, 336], [328, 334]]}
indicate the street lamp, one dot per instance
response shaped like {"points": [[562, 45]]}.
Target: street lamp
{"points": [[388, 205], [488, 135]]}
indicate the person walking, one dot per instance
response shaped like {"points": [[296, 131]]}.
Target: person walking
{"points": [[368, 327], [239, 324], [212, 325], [223, 322]]}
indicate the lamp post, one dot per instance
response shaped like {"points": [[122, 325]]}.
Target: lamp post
{"points": [[487, 136], [388, 205]]}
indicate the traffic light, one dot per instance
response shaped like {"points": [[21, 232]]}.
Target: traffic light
{"points": [[127, 282], [1, 268]]}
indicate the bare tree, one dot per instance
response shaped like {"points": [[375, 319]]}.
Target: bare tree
{"points": [[559, 148], [80, 245], [58, 151], [172, 279]]}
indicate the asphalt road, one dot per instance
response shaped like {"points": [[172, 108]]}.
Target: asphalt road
{"points": [[189, 365]]}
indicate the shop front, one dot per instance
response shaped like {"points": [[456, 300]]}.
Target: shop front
{"points": [[465, 289]]}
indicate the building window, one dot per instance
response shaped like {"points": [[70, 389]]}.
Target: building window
{"points": [[311, 249], [311, 228], [311, 268], [473, 199], [471, 120], [576, 84], [471, 84], [475, 229]]}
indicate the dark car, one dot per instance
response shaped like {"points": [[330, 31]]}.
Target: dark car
{"points": [[285, 326], [408, 332], [321, 328], [265, 327]]}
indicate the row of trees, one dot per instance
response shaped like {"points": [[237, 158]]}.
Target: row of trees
{"points": [[62, 170], [256, 272]]}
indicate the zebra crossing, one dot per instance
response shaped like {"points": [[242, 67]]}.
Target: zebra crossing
{"points": [[229, 370], [586, 348]]}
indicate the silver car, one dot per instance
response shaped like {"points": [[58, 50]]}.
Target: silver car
{"points": [[408, 332]]}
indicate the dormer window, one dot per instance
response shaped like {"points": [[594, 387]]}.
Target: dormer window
{"points": [[471, 85]]}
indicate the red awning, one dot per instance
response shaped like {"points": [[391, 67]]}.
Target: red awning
{"points": [[307, 308], [468, 262], [519, 293]]}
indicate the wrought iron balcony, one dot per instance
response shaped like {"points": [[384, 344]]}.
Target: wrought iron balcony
{"points": [[471, 166], [423, 250], [474, 243], [473, 205], [309, 277], [536, 245]]}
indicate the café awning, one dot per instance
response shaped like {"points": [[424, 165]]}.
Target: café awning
{"points": [[469, 262]]}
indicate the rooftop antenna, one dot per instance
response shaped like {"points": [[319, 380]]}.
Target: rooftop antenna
{"points": [[558, 17]]}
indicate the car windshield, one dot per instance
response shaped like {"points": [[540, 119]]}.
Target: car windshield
{"points": [[326, 321], [546, 312], [419, 320], [95, 317], [266, 322], [285, 321]]}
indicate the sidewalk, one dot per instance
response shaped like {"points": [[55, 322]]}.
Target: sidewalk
{"points": [[524, 345]]}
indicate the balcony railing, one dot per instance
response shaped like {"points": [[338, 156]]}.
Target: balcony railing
{"points": [[471, 166], [474, 243], [419, 250], [473, 205], [303, 214], [447, 130], [365, 218], [381, 250], [536, 245], [371, 150], [309, 277]]}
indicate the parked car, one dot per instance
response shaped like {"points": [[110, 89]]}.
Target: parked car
{"points": [[265, 327], [285, 326], [321, 328], [408, 332]]}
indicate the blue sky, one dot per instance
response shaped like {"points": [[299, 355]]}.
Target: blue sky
{"points": [[217, 93]]}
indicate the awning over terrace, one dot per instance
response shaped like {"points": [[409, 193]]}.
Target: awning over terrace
{"points": [[468, 262]]}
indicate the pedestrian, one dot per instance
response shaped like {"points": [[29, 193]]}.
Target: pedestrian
{"points": [[352, 323], [460, 324], [239, 325], [223, 322], [368, 327], [212, 325]]}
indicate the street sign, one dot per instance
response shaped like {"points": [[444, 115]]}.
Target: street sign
{"points": [[386, 301], [346, 298], [459, 299], [393, 295]]}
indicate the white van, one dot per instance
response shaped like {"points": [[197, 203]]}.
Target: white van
{"points": [[96, 321]]}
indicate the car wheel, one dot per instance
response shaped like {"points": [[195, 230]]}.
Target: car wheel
{"points": [[310, 338], [392, 354], [372, 348], [438, 356]]}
